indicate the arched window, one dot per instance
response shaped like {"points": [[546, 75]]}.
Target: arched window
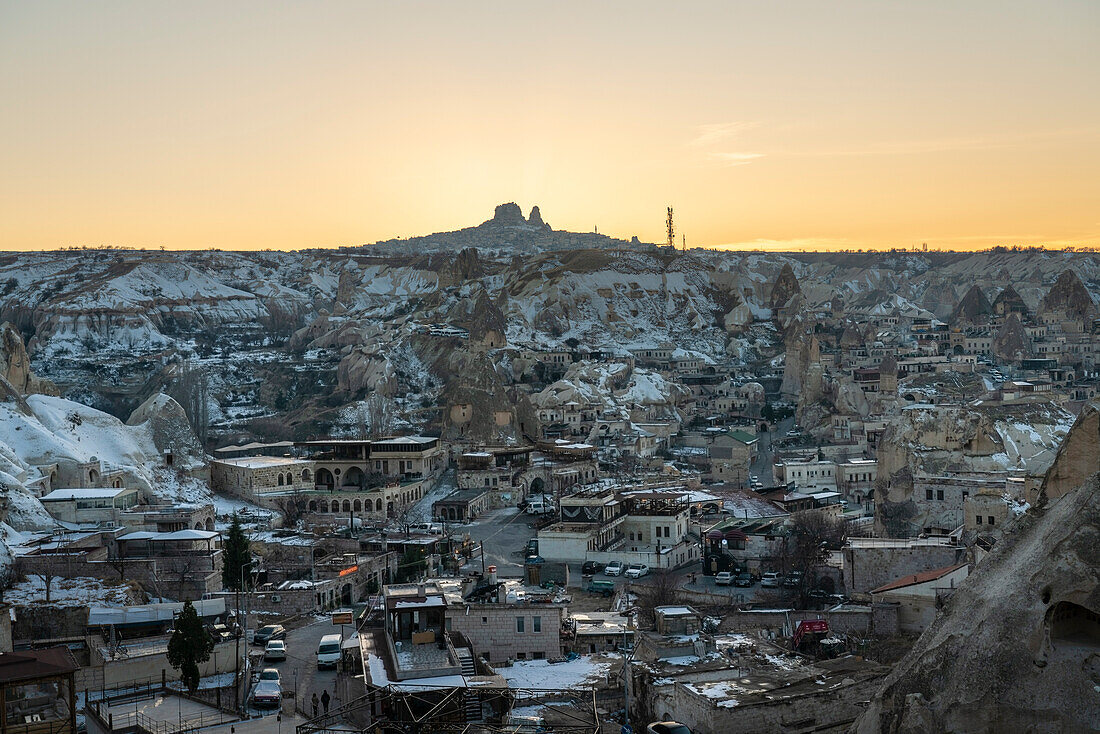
{"points": [[280, 480], [378, 506], [313, 505], [357, 505], [347, 506]]}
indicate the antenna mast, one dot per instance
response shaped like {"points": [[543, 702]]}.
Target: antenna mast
{"points": [[671, 230]]}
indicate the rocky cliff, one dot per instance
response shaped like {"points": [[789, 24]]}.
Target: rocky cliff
{"points": [[1017, 646], [1069, 296], [954, 439]]}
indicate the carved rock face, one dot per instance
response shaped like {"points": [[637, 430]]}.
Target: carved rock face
{"points": [[1017, 646]]}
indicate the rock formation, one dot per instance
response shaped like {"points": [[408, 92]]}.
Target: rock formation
{"points": [[786, 286], [507, 215], [1078, 456], [1068, 296], [974, 308], [535, 220], [1017, 646], [1010, 343], [15, 365], [172, 434], [1009, 301]]}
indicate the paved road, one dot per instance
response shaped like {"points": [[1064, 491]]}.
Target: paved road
{"points": [[299, 671], [504, 533], [762, 467]]}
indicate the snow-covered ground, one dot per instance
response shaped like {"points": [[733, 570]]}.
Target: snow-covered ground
{"points": [[585, 671], [78, 592]]}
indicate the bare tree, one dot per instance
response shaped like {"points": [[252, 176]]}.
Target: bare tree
{"points": [[192, 391], [48, 568], [661, 589], [813, 534], [376, 416], [182, 569]]}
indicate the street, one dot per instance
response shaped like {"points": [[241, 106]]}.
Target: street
{"points": [[299, 671], [504, 533], [762, 466]]}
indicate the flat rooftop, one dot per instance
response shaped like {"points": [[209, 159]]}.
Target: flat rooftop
{"points": [[261, 462]]}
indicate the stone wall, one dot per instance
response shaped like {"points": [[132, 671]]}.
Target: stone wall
{"points": [[869, 568], [491, 630], [827, 710]]}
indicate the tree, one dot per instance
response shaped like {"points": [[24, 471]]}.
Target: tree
{"points": [[376, 416], [813, 534], [48, 568], [238, 554], [190, 645], [192, 391], [660, 589]]}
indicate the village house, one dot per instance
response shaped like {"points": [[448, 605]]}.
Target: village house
{"points": [[919, 595]]}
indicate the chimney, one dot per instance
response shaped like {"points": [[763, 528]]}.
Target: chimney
{"points": [[492, 574], [502, 595], [420, 590]]}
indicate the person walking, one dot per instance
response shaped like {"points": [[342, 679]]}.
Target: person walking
{"points": [[325, 698], [315, 702]]}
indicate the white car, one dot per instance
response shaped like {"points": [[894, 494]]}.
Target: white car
{"points": [[614, 568], [723, 578], [275, 650], [770, 580], [636, 570]]}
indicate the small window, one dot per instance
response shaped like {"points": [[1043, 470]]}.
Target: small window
{"points": [[939, 494], [536, 624], [978, 518], [519, 624], [928, 494], [485, 620], [521, 656], [992, 520], [539, 655]]}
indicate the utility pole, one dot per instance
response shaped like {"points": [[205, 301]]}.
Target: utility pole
{"points": [[671, 230]]}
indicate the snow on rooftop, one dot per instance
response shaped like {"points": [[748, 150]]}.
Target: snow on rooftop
{"points": [[262, 462], [584, 672], [60, 495]]}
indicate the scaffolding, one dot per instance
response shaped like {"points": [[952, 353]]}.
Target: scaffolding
{"points": [[409, 710]]}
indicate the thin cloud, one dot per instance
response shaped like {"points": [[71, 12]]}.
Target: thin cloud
{"points": [[716, 132], [734, 159]]}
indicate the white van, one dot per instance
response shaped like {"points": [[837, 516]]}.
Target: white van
{"points": [[328, 652]]}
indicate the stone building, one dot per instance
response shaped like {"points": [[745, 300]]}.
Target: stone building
{"points": [[252, 476]]}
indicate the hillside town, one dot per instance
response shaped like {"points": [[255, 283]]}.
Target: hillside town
{"points": [[726, 496]]}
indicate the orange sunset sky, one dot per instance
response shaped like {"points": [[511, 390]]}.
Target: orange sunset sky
{"points": [[827, 125]]}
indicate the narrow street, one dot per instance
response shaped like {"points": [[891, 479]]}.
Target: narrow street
{"points": [[299, 671]]}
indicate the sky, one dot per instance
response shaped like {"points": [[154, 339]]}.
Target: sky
{"points": [[784, 125]]}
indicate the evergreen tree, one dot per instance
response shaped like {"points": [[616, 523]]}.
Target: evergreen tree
{"points": [[190, 645], [237, 554]]}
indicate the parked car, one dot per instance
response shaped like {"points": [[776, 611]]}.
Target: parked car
{"points": [[271, 632], [614, 568], [636, 570], [588, 568], [792, 580], [770, 580], [268, 690], [275, 650], [723, 578], [743, 580], [602, 586], [667, 727]]}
